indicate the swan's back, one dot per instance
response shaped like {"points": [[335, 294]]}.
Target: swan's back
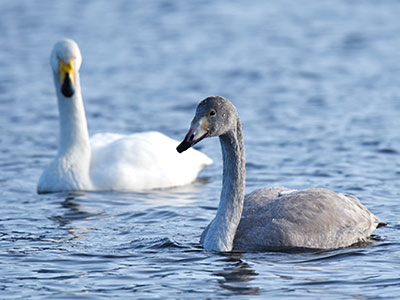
{"points": [[142, 161], [276, 219]]}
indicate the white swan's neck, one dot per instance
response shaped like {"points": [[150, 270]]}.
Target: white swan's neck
{"points": [[74, 136], [74, 152], [222, 230]]}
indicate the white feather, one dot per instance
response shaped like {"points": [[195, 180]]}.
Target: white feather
{"points": [[109, 161]]}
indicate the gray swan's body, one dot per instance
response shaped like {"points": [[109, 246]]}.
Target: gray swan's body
{"points": [[270, 218], [107, 161]]}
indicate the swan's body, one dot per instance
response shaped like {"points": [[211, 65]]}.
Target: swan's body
{"points": [[270, 218], [108, 161]]}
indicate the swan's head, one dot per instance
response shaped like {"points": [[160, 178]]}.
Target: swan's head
{"points": [[215, 116], [65, 60]]}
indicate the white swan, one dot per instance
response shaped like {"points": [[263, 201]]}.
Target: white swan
{"points": [[108, 161], [270, 218]]}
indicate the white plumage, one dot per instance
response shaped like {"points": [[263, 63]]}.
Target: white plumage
{"points": [[107, 161], [141, 161]]}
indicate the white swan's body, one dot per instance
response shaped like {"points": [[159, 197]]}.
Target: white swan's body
{"points": [[141, 161], [108, 161], [271, 218]]}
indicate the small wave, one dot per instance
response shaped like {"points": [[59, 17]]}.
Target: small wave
{"points": [[370, 143], [329, 256], [387, 151], [165, 243], [155, 244], [250, 165]]}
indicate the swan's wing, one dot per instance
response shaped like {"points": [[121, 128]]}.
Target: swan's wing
{"points": [[312, 218], [100, 140], [253, 201], [143, 161]]}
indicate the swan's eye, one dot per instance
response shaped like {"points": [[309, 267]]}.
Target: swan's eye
{"points": [[212, 113]]}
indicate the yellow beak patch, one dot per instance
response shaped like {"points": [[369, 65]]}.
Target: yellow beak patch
{"points": [[66, 68]]}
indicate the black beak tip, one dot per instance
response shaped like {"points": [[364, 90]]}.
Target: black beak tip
{"points": [[183, 146], [67, 92], [67, 88]]}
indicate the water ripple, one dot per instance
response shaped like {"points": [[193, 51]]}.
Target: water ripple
{"points": [[316, 84]]}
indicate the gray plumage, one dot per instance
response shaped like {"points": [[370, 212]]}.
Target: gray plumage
{"points": [[312, 218], [271, 218]]}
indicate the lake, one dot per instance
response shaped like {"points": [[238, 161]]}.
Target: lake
{"points": [[317, 87]]}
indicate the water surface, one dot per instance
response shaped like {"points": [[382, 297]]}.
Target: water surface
{"points": [[317, 86]]}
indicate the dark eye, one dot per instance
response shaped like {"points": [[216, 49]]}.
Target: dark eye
{"points": [[212, 113]]}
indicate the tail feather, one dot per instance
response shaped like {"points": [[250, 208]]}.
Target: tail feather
{"points": [[381, 224]]}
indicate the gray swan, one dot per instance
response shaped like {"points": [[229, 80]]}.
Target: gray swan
{"points": [[270, 219], [107, 161]]}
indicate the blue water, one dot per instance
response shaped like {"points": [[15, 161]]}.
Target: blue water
{"points": [[317, 86]]}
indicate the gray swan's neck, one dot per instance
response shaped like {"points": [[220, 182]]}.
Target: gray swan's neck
{"points": [[222, 230]]}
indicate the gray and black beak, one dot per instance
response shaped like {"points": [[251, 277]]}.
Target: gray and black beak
{"points": [[197, 132]]}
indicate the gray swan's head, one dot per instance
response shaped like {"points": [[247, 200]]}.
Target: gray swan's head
{"points": [[215, 116], [66, 60]]}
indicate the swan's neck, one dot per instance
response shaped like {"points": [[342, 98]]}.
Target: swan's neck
{"points": [[222, 230], [74, 136], [74, 152]]}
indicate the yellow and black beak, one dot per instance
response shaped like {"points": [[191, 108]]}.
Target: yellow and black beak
{"points": [[66, 71]]}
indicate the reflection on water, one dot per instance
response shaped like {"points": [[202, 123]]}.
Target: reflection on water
{"points": [[77, 218], [237, 275]]}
